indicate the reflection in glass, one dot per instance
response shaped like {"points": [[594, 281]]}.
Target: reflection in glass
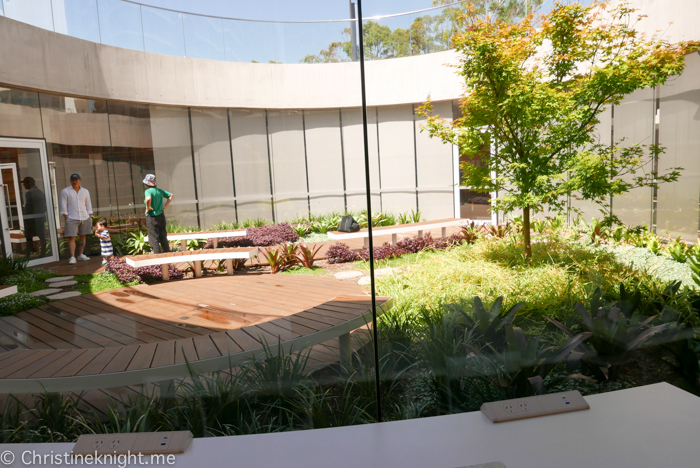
{"points": [[172, 157], [78, 141], [120, 24], [434, 169], [251, 163], [163, 31], [397, 158], [34, 12], [634, 123], [212, 155], [679, 133], [324, 154], [77, 18], [26, 202], [248, 41], [132, 155], [204, 37], [354, 153], [288, 156], [20, 115]]}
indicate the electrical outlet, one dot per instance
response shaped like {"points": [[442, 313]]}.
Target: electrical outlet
{"points": [[535, 406], [146, 443], [486, 465]]}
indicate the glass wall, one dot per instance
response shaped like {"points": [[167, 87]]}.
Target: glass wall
{"points": [[634, 125], [679, 132]]}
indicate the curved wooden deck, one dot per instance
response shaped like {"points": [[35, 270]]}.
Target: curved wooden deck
{"points": [[144, 333]]}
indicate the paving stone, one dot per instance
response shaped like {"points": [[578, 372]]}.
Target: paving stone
{"points": [[64, 295], [45, 292], [64, 284], [348, 274], [364, 280], [59, 279]]}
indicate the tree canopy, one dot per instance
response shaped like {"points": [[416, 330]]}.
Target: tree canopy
{"points": [[535, 90]]}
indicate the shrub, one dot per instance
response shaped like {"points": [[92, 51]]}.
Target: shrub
{"points": [[383, 252], [341, 253], [125, 273], [274, 234], [153, 273], [229, 242], [416, 244]]}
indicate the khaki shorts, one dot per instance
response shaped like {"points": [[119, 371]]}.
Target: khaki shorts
{"points": [[75, 227]]}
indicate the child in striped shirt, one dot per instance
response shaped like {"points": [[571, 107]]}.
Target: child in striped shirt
{"points": [[102, 233]]}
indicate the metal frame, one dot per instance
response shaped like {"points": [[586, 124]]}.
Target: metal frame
{"points": [[15, 182], [50, 215]]}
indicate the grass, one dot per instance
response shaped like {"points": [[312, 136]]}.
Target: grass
{"points": [[96, 282], [561, 273], [303, 271]]}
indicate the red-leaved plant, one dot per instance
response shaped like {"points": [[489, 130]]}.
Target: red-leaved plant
{"points": [[306, 256]]}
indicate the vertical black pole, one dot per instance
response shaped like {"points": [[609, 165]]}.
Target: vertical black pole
{"points": [[369, 211]]}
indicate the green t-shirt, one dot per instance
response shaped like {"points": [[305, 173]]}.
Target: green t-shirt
{"points": [[157, 196]]}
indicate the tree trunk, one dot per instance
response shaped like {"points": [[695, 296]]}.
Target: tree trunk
{"points": [[526, 232]]}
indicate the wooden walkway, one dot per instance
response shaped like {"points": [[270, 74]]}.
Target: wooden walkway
{"points": [[144, 333]]}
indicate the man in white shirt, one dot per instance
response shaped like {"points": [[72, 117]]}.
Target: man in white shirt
{"points": [[76, 209]]}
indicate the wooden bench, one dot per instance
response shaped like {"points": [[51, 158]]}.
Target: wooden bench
{"points": [[8, 290], [183, 237], [195, 256], [63, 370], [397, 229]]}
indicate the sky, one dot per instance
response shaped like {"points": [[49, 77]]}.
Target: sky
{"points": [[123, 24]]}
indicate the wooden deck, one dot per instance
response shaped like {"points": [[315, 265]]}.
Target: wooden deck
{"points": [[148, 333], [166, 311]]}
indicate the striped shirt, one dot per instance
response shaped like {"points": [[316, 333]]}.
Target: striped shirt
{"points": [[105, 244]]}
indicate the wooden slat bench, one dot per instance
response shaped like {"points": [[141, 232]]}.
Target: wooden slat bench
{"points": [[8, 290], [398, 229], [44, 370], [196, 256], [183, 237]]}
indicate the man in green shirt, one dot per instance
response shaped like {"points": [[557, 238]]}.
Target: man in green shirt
{"points": [[155, 216]]}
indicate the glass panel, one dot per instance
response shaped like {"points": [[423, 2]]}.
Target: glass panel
{"points": [[132, 157], [397, 158], [163, 31], [77, 141], [251, 164], [354, 153], [603, 136], [204, 37], [20, 115], [77, 18], [325, 160], [435, 169], [634, 124], [679, 133], [120, 24], [287, 153], [28, 215], [34, 12], [248, 41], [172, 154], [212, 155]]}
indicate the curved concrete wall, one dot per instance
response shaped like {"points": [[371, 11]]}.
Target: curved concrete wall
{"points": [[35, 58]]}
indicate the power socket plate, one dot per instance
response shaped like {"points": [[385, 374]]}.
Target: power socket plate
{"points": [[486, 465], [146, 443], [534, 406]]}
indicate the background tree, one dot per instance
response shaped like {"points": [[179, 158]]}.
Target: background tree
{"points": [[536, 92]]}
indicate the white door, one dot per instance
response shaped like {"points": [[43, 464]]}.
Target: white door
{"points": [[28, 220]]}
